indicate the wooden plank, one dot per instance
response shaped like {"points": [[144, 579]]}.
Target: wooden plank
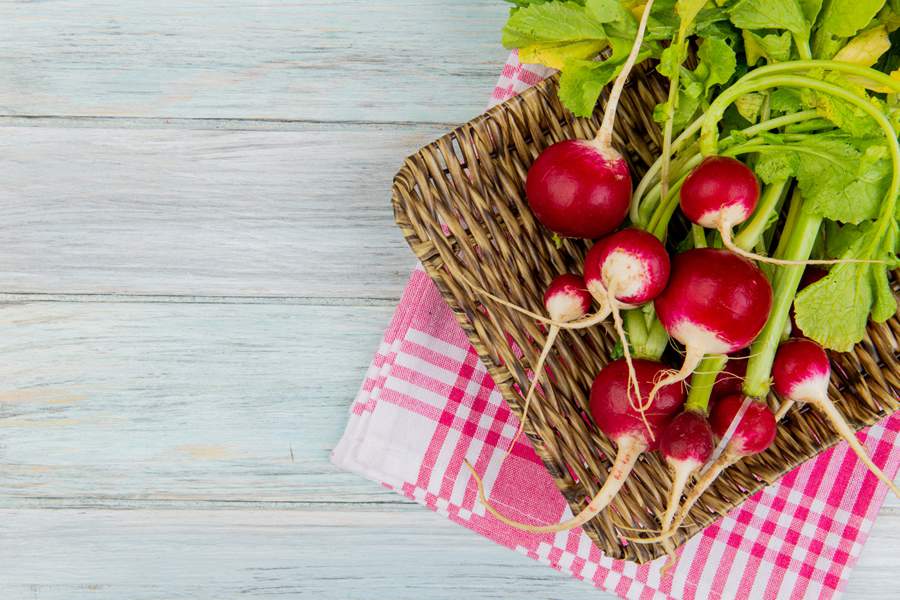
{"points": [[323, 554], [323, 60], [186, 402], [303, 213]]}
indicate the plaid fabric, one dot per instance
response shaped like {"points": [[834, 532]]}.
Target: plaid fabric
{"points": [[427, 403]]}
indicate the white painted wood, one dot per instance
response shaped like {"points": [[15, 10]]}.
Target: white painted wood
{"points": [[187, 402], [303, 213], [323, 60], [317, 553]]}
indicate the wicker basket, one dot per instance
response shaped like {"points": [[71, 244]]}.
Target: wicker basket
{"points": [[461, 205]]}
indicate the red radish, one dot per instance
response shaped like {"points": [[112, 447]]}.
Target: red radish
{"points": [[581, 188], [746, 427], [612, 410], [716, 303], [566, 300], [686, 444], [730, 380], [633, 262], [624, 270], [722, 192], [801, 373]]}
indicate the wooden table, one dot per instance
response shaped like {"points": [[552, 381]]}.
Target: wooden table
{"points": [[198, 260]]}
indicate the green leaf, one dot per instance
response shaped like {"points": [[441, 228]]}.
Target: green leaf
{"points": [[770, 14], [718, 60], [687, 11], [848, 117], [557, 55], [834, 310], [777, 166], [581, 83], [749, 106], [843, 18], [608, 11], [551, 23], [670, 60], [785, 100], [839, 238], [811, 9], [850, 184], [774, 48]]}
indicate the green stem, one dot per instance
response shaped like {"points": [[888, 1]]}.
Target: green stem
{"points": [[702, 382], [699, 235], [657, 340], [753, 230], [663, 214], [800, 242], [636, 327], [803, 47], [830, 65]]}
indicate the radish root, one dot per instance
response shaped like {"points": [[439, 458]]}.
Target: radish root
{"points": [[536, 376], [634, 388], [723, 462], [845, 431], [628, 452], [604, 136], [728, 241], [783, 409], [692, 360]]}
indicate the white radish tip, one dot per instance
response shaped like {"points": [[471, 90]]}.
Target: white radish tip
{"points": [[627, 270], [565, 307]]}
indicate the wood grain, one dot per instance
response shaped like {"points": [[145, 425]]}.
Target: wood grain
{"points": [[302, 213], [321, 60], [319, 553], [183, 402]]}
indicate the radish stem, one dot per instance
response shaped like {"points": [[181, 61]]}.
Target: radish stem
{"points": [[801, 240], [703, 381]]}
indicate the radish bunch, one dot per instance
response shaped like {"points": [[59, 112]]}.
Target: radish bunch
{"points": [[719, 297]]}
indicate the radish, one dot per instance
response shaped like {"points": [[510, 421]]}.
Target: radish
{"points": [[722, 192], [615, 415], [801, 373], [566, 300], [743, 426], [625, 270], [716, 303], [686, 444], [731, 378], [582, 188]]}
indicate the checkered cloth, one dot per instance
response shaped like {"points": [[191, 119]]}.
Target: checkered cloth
{"points": [[427, 403]]}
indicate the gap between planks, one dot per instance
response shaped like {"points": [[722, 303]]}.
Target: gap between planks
{"points": [[28, 298], [204, 123]]}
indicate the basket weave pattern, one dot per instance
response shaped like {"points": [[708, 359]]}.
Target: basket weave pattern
{"points": [[461, 206]]}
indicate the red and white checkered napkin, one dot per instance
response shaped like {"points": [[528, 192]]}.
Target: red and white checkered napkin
{"points": [[427, 403]]}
